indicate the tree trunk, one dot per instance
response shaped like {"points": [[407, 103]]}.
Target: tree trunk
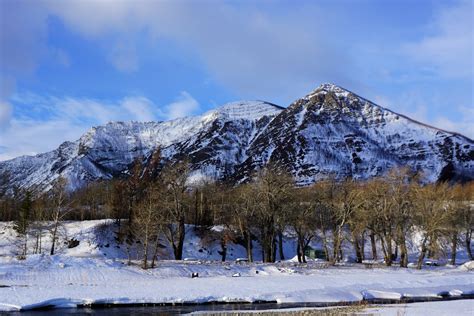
{"points": [[155, 252], [274, 246], [55, 231], [468, 244], [248, 237], [298, 252], [337, 244], [325, 246], [36, 244], [178, 249], [374, 245], [362, 245], [268, 241], [403, 253], [357, 248], [145, 252], [224, 250], [25, 246], [395, 254], [454, 245], [303, 256], [388, 250], [424, 249], [280, 245], [196, 205]]}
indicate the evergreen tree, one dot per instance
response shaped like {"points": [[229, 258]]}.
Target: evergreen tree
{"points": [[23, 221]]}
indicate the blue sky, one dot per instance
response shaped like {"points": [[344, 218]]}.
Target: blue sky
{"points": [[68, 65]]}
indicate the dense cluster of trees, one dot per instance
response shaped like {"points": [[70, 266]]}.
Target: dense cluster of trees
{"points": [[153, 208]]}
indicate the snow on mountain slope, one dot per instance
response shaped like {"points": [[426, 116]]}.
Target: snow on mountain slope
{"points": [[331, 131], [334, 131], [107, 151]]}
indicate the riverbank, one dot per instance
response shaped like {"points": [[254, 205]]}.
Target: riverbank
{"points": [[68, 282]]}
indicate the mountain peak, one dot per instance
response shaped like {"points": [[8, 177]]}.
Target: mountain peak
{"points": [[329, 87], [251, 110], [331, 131]]}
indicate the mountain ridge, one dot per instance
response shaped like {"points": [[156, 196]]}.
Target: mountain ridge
{"points": [[394, 112], [331, 130]]}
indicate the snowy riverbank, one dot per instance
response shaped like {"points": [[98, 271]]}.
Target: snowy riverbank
{"points": [[95, 271], [61, 281]]}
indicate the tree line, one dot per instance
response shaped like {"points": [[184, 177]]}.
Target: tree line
{"points": [[156, 201]]}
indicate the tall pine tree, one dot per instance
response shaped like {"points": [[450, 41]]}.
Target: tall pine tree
{"points": [[23, 221]]}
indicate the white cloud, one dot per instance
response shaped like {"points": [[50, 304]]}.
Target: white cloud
{"points": [[185, 105], [258, 53], [29, 137], [140, 108], [5, 115], [423, 109], [42, 123], [123, 57], [61, 57], [448, 48], [23, 34], [464, 127]]}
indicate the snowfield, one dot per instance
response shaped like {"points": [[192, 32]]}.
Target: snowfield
{"points": [[67, 282], [86, 275]]}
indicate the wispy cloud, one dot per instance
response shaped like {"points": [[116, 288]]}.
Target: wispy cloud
{"points": [[184, 105], [447, 48], [281, 51], [465, 125], [418, 107], [42, 123], [123, 57], [5, 115], [141, 109]]}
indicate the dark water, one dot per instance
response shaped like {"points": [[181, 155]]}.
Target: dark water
{"points": [[186, 309], [158, 310]]}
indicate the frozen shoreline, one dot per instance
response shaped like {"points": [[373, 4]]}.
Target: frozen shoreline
{"points": [[67, 282], [96, 272]]}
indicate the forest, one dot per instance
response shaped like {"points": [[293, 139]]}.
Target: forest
{"points": [[152, 206]]}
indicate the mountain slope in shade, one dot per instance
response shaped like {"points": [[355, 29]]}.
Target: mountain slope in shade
{"points": [[108, 151], [334, 131], [331, 131]]}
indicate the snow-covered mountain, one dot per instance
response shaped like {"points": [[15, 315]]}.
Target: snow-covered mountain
{"points": [[331, 131]]}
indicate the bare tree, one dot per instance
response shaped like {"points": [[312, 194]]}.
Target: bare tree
{"points": [[302, 216], [460, 221], [244, 200], [176, 202], [402, 200], [380, 206], [272, 185], [38, 225], [432, 211], [146, 223], [60, 207], [347, 201]]}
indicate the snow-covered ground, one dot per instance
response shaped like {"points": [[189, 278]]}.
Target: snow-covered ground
{"points": [[89, 274], [67, 281]]}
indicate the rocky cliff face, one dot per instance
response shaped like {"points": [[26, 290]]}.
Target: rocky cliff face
{"points": [[334, 131], [331, 131]]}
